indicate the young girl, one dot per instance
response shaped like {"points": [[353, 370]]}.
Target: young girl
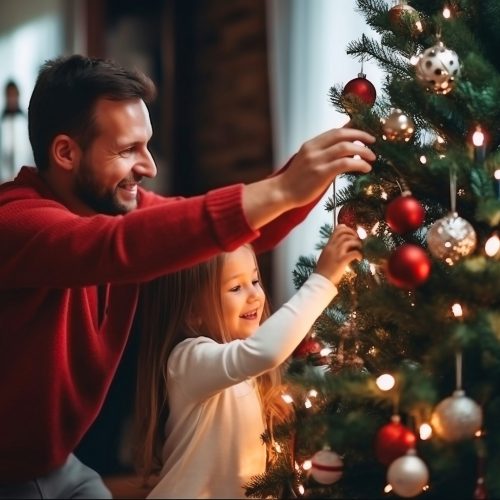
{"points": [[209, 369]]}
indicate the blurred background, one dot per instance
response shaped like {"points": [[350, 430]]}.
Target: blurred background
{"points": [[242, 84]]}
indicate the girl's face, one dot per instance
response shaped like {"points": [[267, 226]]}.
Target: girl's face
{"points": [[241, 293]]}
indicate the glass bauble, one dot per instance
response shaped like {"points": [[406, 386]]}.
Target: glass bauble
{"points": [[451, 238]]}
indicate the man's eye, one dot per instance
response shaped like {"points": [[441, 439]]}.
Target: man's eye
{"points": [[126, 152]]}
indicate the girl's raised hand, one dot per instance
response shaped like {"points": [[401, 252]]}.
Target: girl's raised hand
{"points": [[343, 247]]}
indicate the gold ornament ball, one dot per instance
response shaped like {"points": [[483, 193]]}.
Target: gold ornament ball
{"points": [[457, 417], [401, 13], [408, 475], [451, 238], [397, 126], [437, 69]]}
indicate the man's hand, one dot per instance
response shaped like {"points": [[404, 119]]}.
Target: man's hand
{"points": [[309, 174]]}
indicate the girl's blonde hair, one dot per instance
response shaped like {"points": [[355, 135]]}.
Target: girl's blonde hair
{"points": [[183, 304]]}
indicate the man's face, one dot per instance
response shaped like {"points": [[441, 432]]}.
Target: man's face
{"points": [[110, 170]]}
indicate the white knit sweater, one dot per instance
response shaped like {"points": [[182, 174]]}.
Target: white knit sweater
{"points": [[213, 445]]}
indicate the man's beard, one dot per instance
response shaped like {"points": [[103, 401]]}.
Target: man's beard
{"points": [[88, 190]]}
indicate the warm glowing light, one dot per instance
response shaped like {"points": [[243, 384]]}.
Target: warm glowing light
{"points": [[423, 160], [478, 433], [492, 245], [307, 465], [446, 13], [388, 488], [356, 157], [414, 60], [419, 26], [297, 467], [325, 351], [497, 174], [425, 488], [361, 232], [287, 398], [301, 489], [277, 447], [457, 310], [478, 137], [307, 403], [425, 431], [385, 382]]}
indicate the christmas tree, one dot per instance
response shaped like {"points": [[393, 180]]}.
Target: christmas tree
{"points": [[396, 393]]}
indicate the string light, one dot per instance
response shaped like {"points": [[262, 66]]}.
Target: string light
{"points": [[414, 59], [307, 465], [478, 140], [287, 398], [313, 393], [301, 489], [388, 488], [492, 245], [307, 403], [423, 160], [457, 310], [478, 137], [446, 12], [385, 382], [361, 232], [425, 431], [325, 352]]}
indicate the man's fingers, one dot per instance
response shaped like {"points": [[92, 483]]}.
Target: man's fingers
{"points": [[337, 135], [347, 149]]}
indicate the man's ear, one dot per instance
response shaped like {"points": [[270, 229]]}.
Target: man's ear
{"points": [[65, 152]]}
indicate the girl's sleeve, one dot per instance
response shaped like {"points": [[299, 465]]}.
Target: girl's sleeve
{"points": [[204, 367]]}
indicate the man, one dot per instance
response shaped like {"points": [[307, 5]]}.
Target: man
{"points": [[79, 236]]}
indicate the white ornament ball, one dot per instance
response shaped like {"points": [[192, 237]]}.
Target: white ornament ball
{"points": [[408, 475], [326, 466], [451, 238], [437, 69], [397, 126], [457, 417]]}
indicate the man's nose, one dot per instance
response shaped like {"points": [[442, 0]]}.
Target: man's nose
{"points": [[146, 167]]}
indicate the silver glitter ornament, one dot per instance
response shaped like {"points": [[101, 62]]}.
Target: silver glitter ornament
{"points": [[408, 475], [437, 69], [457, 417], [397, 126], [451, 238]]}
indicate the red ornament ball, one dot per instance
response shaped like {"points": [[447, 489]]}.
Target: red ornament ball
{"points": [[408, 266], [362, 88], [404, 214], [347, 216], [393, 441], [306, 348]]}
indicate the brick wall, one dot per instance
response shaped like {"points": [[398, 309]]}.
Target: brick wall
{"points": [[228, 97]]}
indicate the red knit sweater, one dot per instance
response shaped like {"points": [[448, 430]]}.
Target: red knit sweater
{"points": [[61, 341]]}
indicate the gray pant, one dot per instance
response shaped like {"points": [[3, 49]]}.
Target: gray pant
{"points": [[72, 480]]}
